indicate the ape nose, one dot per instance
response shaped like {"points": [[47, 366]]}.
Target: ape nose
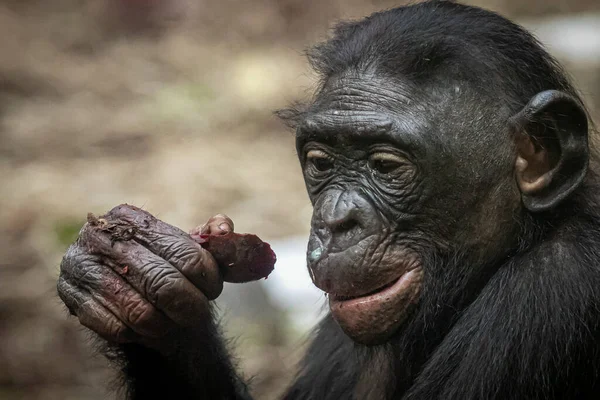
{"points": [[341, 223], [343, 218]]}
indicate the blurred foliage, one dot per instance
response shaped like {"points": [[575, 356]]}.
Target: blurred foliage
{"points": [[66, 231], [181, 100]]}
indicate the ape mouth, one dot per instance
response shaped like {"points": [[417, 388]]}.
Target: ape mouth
{"points": [[373, 317], [340, 298]]}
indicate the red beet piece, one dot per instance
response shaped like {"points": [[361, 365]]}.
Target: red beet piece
{"points": [[241, 257]]}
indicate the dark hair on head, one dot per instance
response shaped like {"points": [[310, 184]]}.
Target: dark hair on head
{"points": [[425, 42]]}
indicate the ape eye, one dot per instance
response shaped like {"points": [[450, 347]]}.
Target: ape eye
{"points": [[320, 160], [385, 163]]}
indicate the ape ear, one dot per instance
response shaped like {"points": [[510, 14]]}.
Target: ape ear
{"points": [[551, 135]]}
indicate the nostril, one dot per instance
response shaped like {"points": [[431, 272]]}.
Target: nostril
{"points": [[346, 225]]}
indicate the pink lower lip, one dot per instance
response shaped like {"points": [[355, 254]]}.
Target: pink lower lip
{"points": [[374, 317], [381, 289], [379, 294]]}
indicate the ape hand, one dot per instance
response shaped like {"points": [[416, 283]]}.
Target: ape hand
{"points": [[130, 277]]}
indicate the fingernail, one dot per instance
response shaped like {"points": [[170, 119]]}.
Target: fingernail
{"points": [[224, 227]]}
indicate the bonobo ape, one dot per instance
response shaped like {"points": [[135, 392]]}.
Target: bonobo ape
{"points": [[456, 230]]}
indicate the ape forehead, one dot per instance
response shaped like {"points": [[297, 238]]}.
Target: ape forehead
{"points": [[369, 108], [345, 128]]}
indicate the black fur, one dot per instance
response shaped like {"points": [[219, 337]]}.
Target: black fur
{"points": [[437, 40], [529, 328], [201, 368]]}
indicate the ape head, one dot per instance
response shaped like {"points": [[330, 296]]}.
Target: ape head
{"points": [[442, 140]]}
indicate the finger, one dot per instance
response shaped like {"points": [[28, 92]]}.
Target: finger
{"points": [[219, 224], [153, 277], [194, 262], [93, 315], [173, 245], [111, 291]]}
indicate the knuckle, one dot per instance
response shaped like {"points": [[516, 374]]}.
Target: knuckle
{"points": [[190, 257], [87, 235], [160, 282], [70, 257], [123, 210], [174, 249], [131, 214], [87, 276], [82, 270], [62, 287], [139, 313], [201, 269], [163, 296], [117, 330], [185, 255], [65, 294], [90, 241], [175, 296]]}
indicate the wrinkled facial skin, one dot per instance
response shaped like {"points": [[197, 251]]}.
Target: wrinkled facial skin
{"points": [[387, 177]]}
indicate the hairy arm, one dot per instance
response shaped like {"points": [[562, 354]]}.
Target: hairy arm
{"points": [[199, 368]]}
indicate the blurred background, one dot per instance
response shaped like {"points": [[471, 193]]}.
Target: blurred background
{"points": [[167, 105]]}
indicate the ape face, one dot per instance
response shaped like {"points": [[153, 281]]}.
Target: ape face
{"points": [[396, 173], [389, 184]]}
